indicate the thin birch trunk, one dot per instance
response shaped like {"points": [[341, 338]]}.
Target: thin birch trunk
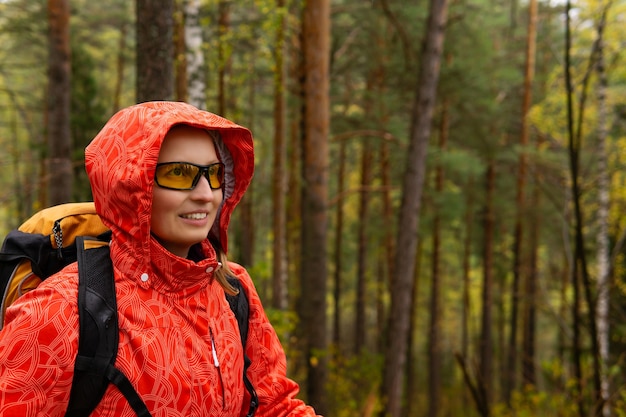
{"points": [[195, 68], [603, 256], [180, 61], [223, 25]]}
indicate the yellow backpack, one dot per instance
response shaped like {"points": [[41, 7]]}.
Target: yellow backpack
{"points": [[42, 246]]}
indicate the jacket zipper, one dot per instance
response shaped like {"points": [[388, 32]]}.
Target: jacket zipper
{"points": [[216, 363]]}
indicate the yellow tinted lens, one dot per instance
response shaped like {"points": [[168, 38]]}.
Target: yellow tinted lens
{"points": [[216, 175], [176, 175]]}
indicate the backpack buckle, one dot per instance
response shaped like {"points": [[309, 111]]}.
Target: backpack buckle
{"points": [[57, 232]]}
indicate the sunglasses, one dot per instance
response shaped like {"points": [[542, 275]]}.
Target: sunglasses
{"points": [[185, 175]]}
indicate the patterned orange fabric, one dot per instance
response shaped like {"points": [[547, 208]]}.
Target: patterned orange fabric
{"points": [[179, 340]]}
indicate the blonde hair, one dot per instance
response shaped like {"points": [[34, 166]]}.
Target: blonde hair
{"points": [[222, 274]]}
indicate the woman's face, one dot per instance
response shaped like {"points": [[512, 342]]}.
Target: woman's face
{"points": [[182, 218]]}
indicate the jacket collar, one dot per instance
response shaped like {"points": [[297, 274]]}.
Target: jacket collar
{"points": [[166, 273]]}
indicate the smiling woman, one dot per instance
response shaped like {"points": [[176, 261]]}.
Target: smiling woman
{"points": [[165, 178], [183, 217]]}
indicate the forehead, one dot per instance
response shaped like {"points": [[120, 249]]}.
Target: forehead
{"points": [[187, 144]]}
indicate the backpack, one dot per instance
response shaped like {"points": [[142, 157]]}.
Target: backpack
{"points": [[56, 237]]}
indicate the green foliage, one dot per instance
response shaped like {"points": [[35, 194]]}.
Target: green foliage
{"points": [[530, 402], [354, 383], [374, 71], [22, 87], [620, 403]]}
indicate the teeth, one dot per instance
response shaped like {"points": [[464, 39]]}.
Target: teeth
{"points": [[194, 216]]}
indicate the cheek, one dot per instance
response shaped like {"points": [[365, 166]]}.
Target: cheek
{"points": [[218, 195], [164, 203]]}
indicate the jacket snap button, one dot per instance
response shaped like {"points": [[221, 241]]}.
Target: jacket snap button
{"points": [[144, 277], [209, 270]]}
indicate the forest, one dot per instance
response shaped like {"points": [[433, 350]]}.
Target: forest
{"points": [[434, 224]]}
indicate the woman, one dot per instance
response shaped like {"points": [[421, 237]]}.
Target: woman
{"points": [[165, 179]]}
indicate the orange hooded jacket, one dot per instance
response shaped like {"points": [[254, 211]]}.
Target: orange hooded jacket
{"points": [[171, 310]]}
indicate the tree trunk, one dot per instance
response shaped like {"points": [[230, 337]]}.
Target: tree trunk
{"points": [[528, 336], [486, 338], [316, 47], [413, 366], [385, 270], [467, 255], [576, 348], [361, 302], [530, 296], [578, 264], [59, 167], [223, 25], [294, 156], [195, 68], [388, 216], [436, 307], [518, 244], [279, 181], [565, 342], [412, 187], [581, 272], [155, 50], [245, 232], [294, 202], [337, 288], [180, 61], [603, 257]]}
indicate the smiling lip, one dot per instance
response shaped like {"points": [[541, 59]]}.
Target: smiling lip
{"points": [[195, 216]]}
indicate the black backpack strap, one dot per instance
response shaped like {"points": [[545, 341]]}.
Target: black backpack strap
{"points": [[7, 271], [122, 383], [240, 306], [98, 335]]}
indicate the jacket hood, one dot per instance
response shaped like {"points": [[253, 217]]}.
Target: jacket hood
{"points": [[122, 158]]}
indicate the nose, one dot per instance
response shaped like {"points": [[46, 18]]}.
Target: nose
{"points": [[203, 190]]}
